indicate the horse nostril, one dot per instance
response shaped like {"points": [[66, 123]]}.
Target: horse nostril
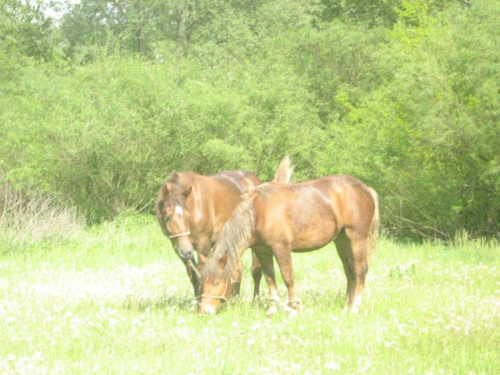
{"points": [[186, 254]]}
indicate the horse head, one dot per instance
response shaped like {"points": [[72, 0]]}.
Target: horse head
{"points": [[173, 214], [216, 288]]}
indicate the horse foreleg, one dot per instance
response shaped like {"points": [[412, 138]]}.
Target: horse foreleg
{"points": [[256, 274], [192, 272], [202, 249], [237, 277], [283, 256], [265, 257]]}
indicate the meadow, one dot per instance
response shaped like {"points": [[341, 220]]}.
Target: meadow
{"points": [[100, 100], [115, 299]]}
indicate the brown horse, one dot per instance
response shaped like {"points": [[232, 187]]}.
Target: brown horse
{"points": [[192, 209], [276, 219]]}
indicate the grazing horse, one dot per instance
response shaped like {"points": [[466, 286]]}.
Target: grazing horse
{"points": [[276, 219], [192, 209]]}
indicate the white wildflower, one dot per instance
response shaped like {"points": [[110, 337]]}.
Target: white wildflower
{"points": [[331, 365]]}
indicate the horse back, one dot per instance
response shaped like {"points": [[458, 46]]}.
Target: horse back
{"points": [[308, 215], [242, 180], [215, 197], [227, 183]]}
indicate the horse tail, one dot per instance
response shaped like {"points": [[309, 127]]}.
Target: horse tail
{"points": [[284, 173], [234, 238], [373, 234]]}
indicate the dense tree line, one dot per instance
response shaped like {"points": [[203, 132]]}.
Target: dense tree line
{"points": [[100, 100]]}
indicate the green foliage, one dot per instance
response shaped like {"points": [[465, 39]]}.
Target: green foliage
{"points": [[26, 31], [99, 107], [436, 129]]}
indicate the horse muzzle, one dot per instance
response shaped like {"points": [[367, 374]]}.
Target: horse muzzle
{"points": [[186, 255], [208, 309]]}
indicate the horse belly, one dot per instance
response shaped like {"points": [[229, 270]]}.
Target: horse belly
{"points": [[314, 236]]}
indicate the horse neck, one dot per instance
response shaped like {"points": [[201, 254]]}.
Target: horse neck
{"points": [[221, 197], [204, 204], [235, 237]]}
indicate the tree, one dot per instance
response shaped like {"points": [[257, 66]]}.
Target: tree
{"points": [[26, 31]]}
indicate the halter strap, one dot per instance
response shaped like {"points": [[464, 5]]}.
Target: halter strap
{"points": [[218, 297], [195, 270], [180, 235]]}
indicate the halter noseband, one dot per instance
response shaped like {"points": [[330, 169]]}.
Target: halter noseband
{"points": [[218, 297], [180, 235]]}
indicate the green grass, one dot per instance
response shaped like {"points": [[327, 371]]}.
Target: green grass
{"points": [[116, 300]]}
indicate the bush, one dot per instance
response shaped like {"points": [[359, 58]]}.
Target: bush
{"points": [[35, 217]]}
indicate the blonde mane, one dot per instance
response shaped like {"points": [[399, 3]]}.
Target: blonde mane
{"points": [[233, 240]]}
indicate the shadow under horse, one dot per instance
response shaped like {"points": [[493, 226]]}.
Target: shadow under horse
{"points": [[276, 219], [192, 210]]}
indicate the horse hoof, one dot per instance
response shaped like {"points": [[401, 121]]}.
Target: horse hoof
{"points": [[352, 310], [272, 310], [292, 312], [294, 305]]}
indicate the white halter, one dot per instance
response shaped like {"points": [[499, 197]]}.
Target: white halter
{"points": [[180, 235]]}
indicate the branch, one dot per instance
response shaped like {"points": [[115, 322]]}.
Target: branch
{"points": [[119, 7]]}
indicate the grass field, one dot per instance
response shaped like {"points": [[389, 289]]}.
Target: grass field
{"points": [[115, 300]]}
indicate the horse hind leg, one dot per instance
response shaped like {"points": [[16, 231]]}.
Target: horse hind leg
{"points": [[352, 252]]}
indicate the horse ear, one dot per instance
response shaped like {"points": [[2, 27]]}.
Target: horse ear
{"points": [[164, 191], [187, 192], [249, 192], [223, 261]]}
